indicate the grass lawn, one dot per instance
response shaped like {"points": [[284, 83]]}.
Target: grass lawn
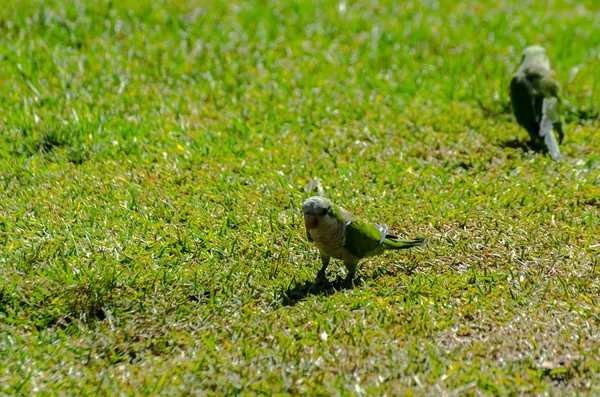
{"points": [[154, 157]]}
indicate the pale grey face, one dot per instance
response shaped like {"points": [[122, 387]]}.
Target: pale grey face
{"points": [[315, 208]]}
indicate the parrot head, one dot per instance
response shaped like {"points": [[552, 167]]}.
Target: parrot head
{"points": [[315, 208], [536, 54]]}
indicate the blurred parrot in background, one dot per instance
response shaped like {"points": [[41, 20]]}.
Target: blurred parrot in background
{"points": [[535, 99], [339, 234]]}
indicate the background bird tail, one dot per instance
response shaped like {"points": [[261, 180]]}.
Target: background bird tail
{"points": [[550, 118], [395, 243], [314, 184], [552, 145]]}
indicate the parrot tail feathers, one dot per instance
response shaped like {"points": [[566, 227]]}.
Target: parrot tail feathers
{"points": [[395, 243], [550, 119], [552, 146]]}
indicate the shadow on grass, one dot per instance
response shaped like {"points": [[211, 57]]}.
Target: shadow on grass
{"points": [[298, 292], [320, 286], [499, 109], [526, 146], [407, 270], [517, 144]]}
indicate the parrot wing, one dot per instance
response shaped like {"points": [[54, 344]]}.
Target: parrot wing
{"points": [[524, 106], [363, 238]]}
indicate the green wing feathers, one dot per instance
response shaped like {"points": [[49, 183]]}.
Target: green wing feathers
{"points": [[367, 239], [362, 239], [524, 107]]}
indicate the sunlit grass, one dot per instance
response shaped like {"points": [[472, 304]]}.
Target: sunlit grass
{"points": [[153, 162]]}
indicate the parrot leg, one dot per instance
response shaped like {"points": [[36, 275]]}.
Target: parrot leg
{"points": [[535, 144], [325, 259], [561, 134], [351, 270]]}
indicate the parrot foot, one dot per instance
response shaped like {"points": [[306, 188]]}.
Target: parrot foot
{"points": [[351, 267], [321, 277], [349, 282], [325, 261]]}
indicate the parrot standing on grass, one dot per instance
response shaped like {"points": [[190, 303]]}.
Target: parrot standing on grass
{"points": [[339, 234], [535, 99]]}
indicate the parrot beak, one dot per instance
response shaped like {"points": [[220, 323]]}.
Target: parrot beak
{"points": [[310, 221]]}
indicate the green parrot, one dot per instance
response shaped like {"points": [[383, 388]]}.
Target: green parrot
{"points": [[536, 102], [339, 234]]}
